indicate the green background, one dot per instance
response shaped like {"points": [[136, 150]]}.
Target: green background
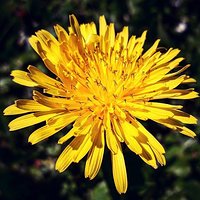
{"points": [[27, 172]]}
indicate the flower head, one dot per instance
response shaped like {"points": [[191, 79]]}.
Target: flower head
{"points": [[104, 84]]}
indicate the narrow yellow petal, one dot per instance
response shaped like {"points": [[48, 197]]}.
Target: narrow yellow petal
{"points": [[13, 110], [29, 120], [48, 55], [148, 156], [177, 72], [62, 119], [175, 125], [61, 33], [151, 139], [119, 171], [159, 157], [130, 133], [22, 78], [111, 139], [43, 80], [151, 50], [43, 133], [70, 153], [168, 56], [66, 158], [67, 136], [75, 25], [95, 155], [83, 149], [102, 25], [117, 129], [177, 94], [30, 105], [184, 117]]}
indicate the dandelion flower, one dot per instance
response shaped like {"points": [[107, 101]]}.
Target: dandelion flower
{"points": [[104, 85]]}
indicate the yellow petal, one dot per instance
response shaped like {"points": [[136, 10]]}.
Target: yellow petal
{"points": [[130, 134], [67, 136], [152, 141], [30, 119], [159, 157], [172, 53], [111, 139], [75, 25], [117, 129], [31, 105], [61, 33], [95, 155], [119, 171], [43, 133], [62, 119], [177, 94], [184, 117], [42, 79], [148, 156], [102, 25], [151, 50], [186, 131], [175, 125], [52, 102], [13, 110], [70, 153], [50, 56], [83, 149], [22, 78]]}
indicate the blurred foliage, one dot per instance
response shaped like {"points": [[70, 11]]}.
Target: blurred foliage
{"points": [[27, 172]]}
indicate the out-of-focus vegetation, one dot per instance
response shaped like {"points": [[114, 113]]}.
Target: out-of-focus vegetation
{"points": [[27, 172]]}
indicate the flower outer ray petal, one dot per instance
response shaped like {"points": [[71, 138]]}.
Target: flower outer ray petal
{"points": [[184, 117], [182, 69], [80, 127], [175, 125], [130, 133], [13, 110], [151, 139], [151, 50], [75, 25], [83, 149], [189, 80], [43, 133], [61, 33], [52, 102], [63, 119], [95, 155], [169, 55], [29, 120], [150, 110], [68, 135], [102, 26], [22, 78], [30, 105], [47, 47], [117, 129], [70, 153], [111, 139], [159, 156], [160, 73], [42, 79], [119, 170], [148, 156], [177, 94]]}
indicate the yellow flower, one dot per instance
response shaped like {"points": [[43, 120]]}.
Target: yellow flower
{"points": [[104, 84]]}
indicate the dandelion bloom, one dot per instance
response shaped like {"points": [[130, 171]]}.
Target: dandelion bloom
{"points": [[105, 85]]}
